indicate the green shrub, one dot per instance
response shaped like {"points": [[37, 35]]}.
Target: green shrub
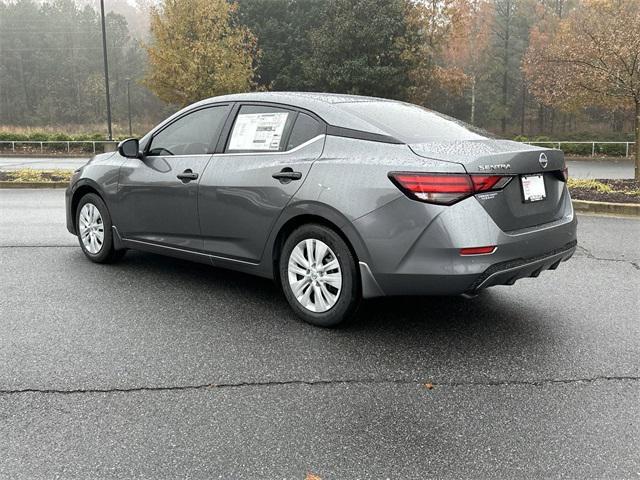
{"points": [[55, 136], [614, 150], [39, 136], [62, 137], [4, 136], [89, 137], [582, 149]]}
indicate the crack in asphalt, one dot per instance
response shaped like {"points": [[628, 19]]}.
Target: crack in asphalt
{"points": [[279, 383], [587, 253]]}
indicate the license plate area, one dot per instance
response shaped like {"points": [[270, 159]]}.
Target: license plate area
{"points": [[533, 189]]}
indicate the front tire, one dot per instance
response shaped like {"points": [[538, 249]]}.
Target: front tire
{"points": [[95, 234], [318, 276]]}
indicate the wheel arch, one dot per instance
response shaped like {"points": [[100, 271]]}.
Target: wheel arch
{"points": [[301, 214], [80, 191]]}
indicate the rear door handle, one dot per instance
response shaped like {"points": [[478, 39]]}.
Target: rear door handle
{"points": [[187, 175], [286, 175]]}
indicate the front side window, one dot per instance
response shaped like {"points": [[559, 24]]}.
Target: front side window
{"points": [[259, 129], [193, 134]]}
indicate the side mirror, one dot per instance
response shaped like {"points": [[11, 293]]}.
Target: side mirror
{"points": [[129, 148]]}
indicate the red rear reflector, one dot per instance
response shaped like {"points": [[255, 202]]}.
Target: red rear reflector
{"points": [[446, 189], [478, 250]]}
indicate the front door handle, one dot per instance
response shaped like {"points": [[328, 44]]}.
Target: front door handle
{"points": [[187, 175], [286, 175]]}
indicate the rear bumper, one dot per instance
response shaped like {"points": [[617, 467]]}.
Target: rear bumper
{"points": [[506, 273], [414, 248]]}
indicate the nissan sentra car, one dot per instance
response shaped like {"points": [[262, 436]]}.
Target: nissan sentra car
{"points": [[335, 197]]}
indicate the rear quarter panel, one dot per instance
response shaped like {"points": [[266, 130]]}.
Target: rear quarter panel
{"points": [[352, 175]]}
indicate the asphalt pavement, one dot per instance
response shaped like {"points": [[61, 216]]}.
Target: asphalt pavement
{"points": [[611, 168], [161, 368]]}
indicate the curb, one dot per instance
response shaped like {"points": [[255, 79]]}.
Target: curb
{"points": [[34, 184], [627, 209]]}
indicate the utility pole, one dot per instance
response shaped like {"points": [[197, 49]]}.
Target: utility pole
{"points": [[524, 107], [106, 68], [129, 105], [473, 100]]}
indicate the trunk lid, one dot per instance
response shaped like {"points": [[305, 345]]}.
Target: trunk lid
{"points": [[507, 207]]}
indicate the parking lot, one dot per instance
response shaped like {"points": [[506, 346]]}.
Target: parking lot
{"points": [[160, 368]]}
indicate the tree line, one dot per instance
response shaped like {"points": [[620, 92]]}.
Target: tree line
{"points": [[515, 67], [51, 66]]}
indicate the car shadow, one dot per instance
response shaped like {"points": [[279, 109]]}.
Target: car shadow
{"points": [[489, 319]]}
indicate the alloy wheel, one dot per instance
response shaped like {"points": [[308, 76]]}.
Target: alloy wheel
{"points": [[314, 275], [91, 228]]}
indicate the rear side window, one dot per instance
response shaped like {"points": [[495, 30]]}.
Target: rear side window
{"points": [[259, 128], [304, 130], [194, 134]]}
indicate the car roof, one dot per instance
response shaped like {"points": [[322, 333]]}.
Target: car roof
{"points": [[325, 105]]}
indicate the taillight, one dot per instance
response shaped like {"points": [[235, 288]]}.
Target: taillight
{"points": [[445, 189], [565, 173]]}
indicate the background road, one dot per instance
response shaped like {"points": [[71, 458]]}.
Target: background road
{"points": [[160, 368], [612, 168], [41, 163]]}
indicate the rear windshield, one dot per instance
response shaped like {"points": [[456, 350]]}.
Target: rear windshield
{"points": [[413, 124]]}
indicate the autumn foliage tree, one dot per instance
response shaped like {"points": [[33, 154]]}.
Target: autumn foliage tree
{"points": [[198, 50], [430, 29], [468, 43], [591, 57]]}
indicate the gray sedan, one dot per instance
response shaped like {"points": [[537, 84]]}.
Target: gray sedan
{"points": [[335, 197]]}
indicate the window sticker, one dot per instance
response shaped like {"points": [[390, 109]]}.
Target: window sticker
{"points": [[258, 131]]}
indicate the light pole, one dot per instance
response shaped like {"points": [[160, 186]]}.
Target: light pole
{"points": [[106, 68], [129, 104]]}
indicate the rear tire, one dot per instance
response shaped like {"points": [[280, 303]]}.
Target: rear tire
{"points": [[318, 276], [95, 235]]}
